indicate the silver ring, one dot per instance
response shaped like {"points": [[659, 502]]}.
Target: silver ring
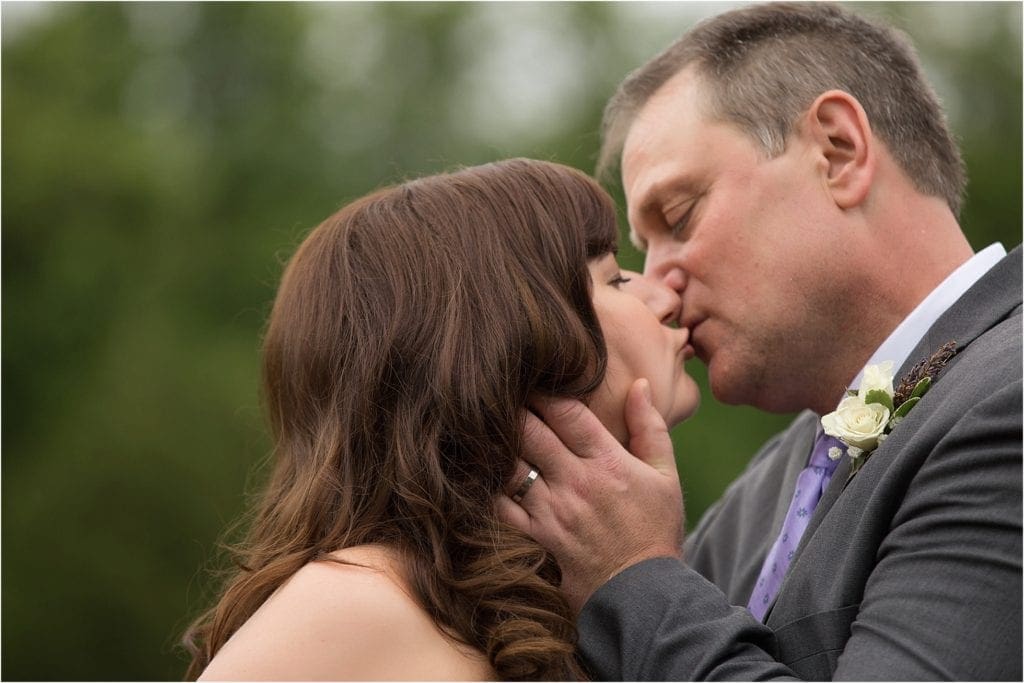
{"points": [[525, 486]]}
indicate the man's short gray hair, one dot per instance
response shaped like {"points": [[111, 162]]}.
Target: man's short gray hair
{"points": [[763, 66]]}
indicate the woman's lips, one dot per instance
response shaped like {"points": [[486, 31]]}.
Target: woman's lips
{"points": [[687, 349]]}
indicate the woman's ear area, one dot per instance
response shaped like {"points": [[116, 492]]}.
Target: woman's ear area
{"points": [[838, 127]]}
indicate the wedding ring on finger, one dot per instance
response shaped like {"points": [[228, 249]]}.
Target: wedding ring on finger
{"points": [[525, 486]]}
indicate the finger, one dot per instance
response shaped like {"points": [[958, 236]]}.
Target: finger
{"points": [[519, 475], [576, 427], [525, 478], [544, 449], [649, 440], [512, 514]]}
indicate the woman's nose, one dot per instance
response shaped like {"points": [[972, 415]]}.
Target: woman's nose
{"points": [[665, 303]]}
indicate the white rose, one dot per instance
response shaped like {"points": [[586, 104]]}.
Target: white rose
{"points": [[857, 423], [877, 377]]}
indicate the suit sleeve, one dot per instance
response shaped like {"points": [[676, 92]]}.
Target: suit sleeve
{"points": [[944, 600], [659, 620]]}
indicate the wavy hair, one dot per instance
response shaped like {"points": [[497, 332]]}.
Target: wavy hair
{"points": [[408, 332]]}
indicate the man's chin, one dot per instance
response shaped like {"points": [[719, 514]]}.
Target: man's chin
{"points": [[748, 393], [732, 386], [727, 395]]}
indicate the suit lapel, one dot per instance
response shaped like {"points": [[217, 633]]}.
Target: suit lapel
{"points": [[992, 299]]}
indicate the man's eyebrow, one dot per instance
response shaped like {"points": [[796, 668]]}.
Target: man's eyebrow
{"points": [[659, 193]]}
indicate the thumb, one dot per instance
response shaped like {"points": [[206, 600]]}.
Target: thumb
{"points": [[648, 435]]}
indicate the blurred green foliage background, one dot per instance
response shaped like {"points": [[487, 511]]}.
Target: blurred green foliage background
{"points": [[160, 161]]}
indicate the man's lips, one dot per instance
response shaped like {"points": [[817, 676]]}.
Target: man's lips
{"points": [[693, 346], [690, 321], [687, 349]]}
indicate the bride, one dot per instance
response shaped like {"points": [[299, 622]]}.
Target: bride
{"points": [[410, 330]]}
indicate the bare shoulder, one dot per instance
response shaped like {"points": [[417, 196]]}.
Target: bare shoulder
{"points": [[352, 619]]}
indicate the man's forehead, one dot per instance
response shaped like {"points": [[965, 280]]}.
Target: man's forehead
{"points": [[646, 173], [671, 108], [682, 95]]}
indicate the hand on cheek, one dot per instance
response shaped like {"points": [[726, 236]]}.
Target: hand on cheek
{"points": [[601, 508]]}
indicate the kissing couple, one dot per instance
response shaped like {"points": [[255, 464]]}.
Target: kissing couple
{"points": [[469, 400]]}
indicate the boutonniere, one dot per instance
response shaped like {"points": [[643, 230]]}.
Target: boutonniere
{"points": [[864, 418]]}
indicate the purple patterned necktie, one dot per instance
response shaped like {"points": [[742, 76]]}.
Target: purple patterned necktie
{"points": [[811, 483]]}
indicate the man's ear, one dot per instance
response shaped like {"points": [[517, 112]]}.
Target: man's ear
{"points": [[840, 130]]}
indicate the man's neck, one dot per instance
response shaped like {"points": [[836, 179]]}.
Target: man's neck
{"points": [[915, 247], [901, 342]]}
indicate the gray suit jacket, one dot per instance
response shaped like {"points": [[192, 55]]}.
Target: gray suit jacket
{"points": [[911, 570]]}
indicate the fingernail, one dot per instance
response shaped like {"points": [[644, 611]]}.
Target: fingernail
{"points": [[647, 392]]}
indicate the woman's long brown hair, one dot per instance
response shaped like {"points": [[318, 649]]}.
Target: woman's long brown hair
{"points": [[408, 332]]}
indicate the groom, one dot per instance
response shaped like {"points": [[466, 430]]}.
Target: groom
{"points": [[790, 173]]}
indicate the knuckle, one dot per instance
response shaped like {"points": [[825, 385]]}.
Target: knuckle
{"points": [[613, 472], [564, 409], [533, 429]]}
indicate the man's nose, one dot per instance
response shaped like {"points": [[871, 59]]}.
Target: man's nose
{"points": [[663, 270], [661, 299]]}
